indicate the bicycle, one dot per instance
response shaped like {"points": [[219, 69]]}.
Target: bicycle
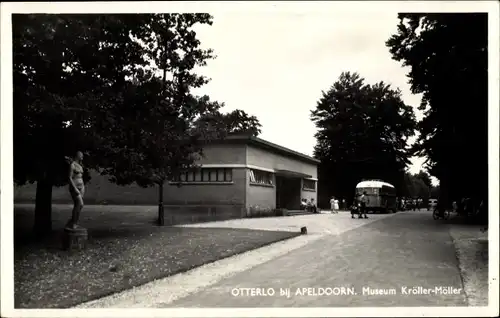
{"points": [[436, 215]]}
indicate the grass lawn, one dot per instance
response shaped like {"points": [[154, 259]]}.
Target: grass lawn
{"points": [[118, 257]]}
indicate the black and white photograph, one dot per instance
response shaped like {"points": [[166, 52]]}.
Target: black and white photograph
{"points": [[250, 159]]}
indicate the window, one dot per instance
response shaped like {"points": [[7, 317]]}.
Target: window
{"points": [[309, 185], [229, 174], [197, 175], [367, 190], [208, 175], [261, 177], [220, 175], [205, 174], [388, 191], [183, 177]]}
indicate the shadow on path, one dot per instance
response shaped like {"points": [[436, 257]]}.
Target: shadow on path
{"points": [[407, 250]]}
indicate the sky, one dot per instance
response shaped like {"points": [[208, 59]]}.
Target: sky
{"points": [[275, 65]]}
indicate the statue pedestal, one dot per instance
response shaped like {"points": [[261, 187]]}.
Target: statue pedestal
{"points": [[75, 239]]}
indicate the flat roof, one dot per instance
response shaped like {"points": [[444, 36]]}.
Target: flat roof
{"points": [[264, 144]]}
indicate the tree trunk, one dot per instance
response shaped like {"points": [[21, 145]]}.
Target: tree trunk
{"points": [[43, 207], [444, 194], [161, 212]]}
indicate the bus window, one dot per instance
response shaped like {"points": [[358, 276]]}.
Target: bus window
{"points": [[367, 190]]}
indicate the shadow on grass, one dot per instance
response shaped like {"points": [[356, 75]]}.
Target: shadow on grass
{"points": [[121, 258]]}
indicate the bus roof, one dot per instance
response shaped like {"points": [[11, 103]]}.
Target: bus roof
{"points": [[373, 184]]}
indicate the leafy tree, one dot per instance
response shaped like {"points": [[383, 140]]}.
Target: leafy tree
{"points": [[424, 176], [447, 55], [221, 124], [116, 86], [362, 134], [435, 192], [239, 121], [417, 186], [165, 137], [160, 140], [65, 68]]}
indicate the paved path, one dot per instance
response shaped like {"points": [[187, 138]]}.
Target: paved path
{"points": [[385, 253], [406, 250], [171, 288], [325, 223]]}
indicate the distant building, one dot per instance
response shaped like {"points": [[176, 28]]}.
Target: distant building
{"points": [[236, 174]]}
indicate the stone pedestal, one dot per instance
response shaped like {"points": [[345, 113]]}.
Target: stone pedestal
{"points": [[75, 239]]}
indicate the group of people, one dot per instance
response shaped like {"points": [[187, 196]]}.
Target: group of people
{"points": [[410, 204], [336, 205], [308, 205], [358, 207]]}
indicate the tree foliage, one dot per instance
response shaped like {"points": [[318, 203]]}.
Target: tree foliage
{"points": [[447, 56], [158, 138], [425, 177], [362, 134], [219, 125], [418, 185], [118, 87], [65, 68]]}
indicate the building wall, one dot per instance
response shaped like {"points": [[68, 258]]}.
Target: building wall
{"points": [[213, 194], [266, 196], [208, 194], [271, 160], [100, 191], [259, 195], [224, 154], [224, 198], [307, 194]]}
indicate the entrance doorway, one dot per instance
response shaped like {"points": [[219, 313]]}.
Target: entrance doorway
{"points": [[288, 193]]}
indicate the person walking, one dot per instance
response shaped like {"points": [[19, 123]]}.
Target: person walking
{"points": [[343, 205], [420, 203], [336, 205], [332, 204], [355, 206], [363, 200]]}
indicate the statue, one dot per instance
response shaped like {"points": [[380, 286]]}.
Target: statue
{"points": [[76, 189]]}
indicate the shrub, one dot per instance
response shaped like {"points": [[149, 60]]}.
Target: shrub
{"points": [[280, 212], [259, 212]]}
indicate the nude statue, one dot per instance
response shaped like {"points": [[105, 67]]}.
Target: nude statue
{"points": [[76, 189]]}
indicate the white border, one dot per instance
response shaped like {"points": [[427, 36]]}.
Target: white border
{"points": [[261, 312], [6, 167], [493, 154], [6, 187]]}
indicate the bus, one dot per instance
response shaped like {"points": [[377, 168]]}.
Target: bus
{"points": [[381, 195]]}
